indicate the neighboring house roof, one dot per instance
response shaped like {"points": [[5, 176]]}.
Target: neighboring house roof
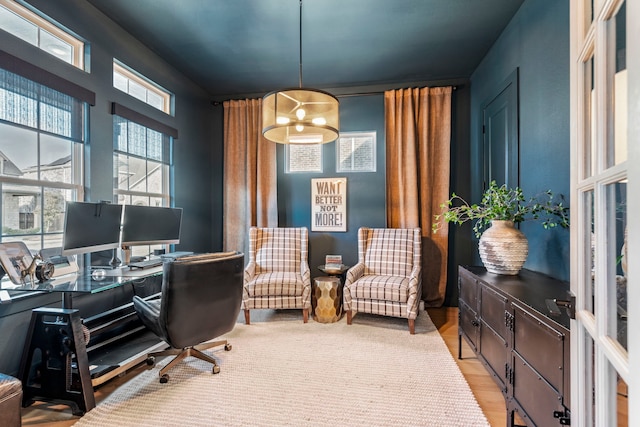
{"points": [[61, 161], [8, 167]]}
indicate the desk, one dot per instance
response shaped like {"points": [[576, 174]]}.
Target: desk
{"points": [[56, 363]]}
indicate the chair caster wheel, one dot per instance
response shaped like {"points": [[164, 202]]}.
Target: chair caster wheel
{"points": [[164, 379], [216, 369], [151, 361], [227, 347]]}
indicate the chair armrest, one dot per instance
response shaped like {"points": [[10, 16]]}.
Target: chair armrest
{"points": [[415, 292], [305, 272], [249, 272], [149, 313], [354, 273]]}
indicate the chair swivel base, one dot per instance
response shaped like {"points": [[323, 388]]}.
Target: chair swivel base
{"points": [[195, 351]]}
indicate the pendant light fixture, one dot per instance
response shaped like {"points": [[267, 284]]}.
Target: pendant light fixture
{"points": [[300, 115]]}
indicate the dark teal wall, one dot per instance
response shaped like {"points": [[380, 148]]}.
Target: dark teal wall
{"points": [[193, 149], [365, 190], [536, 42]]}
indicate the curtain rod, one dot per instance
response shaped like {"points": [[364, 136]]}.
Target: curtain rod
{"points": [[348, 95], [379, 92]]}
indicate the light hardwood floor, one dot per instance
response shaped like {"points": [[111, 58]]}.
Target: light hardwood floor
{"points": [[446, 320]]}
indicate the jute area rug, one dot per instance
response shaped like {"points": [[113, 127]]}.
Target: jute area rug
{"points": [[282, 372]]}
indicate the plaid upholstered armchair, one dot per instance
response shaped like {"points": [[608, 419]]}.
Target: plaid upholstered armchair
{"points": [[387, 279], [277, 275]]}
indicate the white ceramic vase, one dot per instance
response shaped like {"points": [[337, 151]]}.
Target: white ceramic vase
{"points": [[503, 248]]}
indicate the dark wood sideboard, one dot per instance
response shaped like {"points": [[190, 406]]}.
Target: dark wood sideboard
{"points": [[522, 338]]}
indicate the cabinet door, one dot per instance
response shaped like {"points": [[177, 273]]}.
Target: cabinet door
{"points": [[468, 325], [493, 310], [536, 398], [468, 289], [493, 351], [541, 346]]}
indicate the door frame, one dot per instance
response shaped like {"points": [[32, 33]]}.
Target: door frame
{"points": [[596, 358], [507, 94]]}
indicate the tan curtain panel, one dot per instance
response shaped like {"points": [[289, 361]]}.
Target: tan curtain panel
{"points": [[418, 141], [250, 174]]}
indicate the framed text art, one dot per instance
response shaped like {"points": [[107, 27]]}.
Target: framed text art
{"points": [[329, 204]]}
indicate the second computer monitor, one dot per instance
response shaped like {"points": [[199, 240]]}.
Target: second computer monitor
{"points": [[150, 225]]}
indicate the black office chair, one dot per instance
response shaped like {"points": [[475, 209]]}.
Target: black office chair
{"points": [[200, 300]]}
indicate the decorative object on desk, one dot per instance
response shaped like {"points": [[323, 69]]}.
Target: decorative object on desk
{"points": [[15, 257], [504, 249], [30, 271], [45, 271]]}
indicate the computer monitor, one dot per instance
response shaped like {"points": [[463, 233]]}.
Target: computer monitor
{"points": [[91, 227], [150, 225]]}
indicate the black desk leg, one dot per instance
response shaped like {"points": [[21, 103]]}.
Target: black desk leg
{"points": [[54, 362]]}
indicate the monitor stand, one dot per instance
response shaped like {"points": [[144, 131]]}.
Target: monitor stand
{"points": [[115, 261]]}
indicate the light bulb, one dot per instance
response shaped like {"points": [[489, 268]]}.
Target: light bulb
{"points": [[319, 121], [300, 113], [282, 120], [299, 128]]}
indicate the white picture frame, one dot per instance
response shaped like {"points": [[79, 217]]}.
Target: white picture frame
{"points": [[329, 204]]}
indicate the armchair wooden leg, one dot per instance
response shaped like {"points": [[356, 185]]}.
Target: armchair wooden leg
{"points": [[305, 315], [247, 317], [412, 326], [349, 317]]}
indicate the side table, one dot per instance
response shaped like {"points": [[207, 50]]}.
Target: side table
{"points": [[326, 295]]}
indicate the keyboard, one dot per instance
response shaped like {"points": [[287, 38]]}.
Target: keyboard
{"points": [[148, 263], [175, 255]]}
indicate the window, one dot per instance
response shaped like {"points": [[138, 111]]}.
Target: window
{"points": [[41, 159], [303, 158], [142, 162], [140, 87], [41, 32], [356, 152]]}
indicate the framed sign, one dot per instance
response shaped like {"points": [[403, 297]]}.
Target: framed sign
{"points": [[329, 204]]}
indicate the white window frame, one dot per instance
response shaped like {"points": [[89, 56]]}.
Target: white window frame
{"points": [[42, 182], [346, 142], [46, 24], [309, 151], [132, 78]]}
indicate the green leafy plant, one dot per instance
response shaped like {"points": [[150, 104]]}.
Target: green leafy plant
{"points": [[503, 203]]}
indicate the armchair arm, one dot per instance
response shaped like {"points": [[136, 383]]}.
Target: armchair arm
{"points": [[354, 273], [305, 272], [415, 292], [249, 272]]}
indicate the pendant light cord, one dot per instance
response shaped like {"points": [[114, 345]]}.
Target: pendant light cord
{"points": [[300, 45]]}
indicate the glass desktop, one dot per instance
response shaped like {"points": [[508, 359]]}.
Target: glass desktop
{"points": [[86, 281]]}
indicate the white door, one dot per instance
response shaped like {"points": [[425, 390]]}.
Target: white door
{"points": [[605, 212]]}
